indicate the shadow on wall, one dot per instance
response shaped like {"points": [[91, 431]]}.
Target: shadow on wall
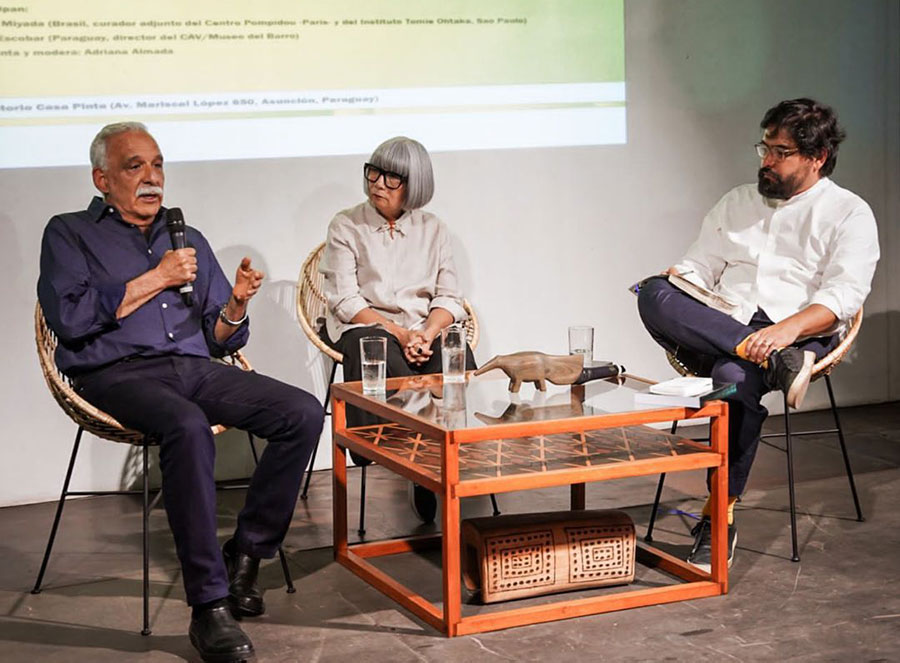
{"points": [[466, 278], [278, 347]]}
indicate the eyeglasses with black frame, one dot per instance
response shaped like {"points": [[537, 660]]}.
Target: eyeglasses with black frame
{"points": [[392, 180], [780, 153]]}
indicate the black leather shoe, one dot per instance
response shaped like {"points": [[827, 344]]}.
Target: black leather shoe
{"points": [[244, 596], [701, 552], [218, 637]]}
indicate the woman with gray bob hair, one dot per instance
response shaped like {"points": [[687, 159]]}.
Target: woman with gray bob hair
{"points": [[388, 265], [409, 159], [389, 271]]}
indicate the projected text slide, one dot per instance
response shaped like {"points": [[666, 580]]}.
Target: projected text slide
{"points": [[64, 63]]}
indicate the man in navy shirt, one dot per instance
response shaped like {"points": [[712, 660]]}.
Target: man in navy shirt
{"points": [[109, 290]]}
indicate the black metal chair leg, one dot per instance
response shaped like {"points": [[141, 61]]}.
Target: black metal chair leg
{"points": [[648, 537], [494, 504], [312, 460], [287, 572], [790, 463], [840, 432], [309, 471], [334, 366], [146, 541], [362, 501], [59, 509], [288, 579], [253, 449]]}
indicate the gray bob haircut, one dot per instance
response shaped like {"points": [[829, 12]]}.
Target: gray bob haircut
{"points": [[409, 158], [98, 145]]}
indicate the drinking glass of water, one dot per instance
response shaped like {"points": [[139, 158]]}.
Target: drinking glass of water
{"points": [[453, 353], [373, 355], [581, 341]]}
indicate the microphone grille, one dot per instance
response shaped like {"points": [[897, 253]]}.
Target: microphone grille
{"points": [[174, 218]]}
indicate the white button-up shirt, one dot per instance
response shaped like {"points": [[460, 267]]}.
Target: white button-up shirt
{"points": [[818, 247], [401, 272]]}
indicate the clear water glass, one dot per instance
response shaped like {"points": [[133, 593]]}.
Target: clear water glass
{"points": [[581, 341], [373, 356], [453, 353]]}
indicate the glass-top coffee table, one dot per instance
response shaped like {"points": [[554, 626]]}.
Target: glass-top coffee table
{"points": [[475, 438]]}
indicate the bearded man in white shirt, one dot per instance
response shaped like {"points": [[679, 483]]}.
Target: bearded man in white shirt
{"points": [[797, 253]]}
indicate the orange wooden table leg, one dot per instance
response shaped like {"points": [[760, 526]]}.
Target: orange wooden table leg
{"points": [[719, 495], [339, 479], [451, 542]]}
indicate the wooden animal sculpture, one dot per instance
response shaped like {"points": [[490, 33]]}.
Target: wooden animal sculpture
{"points": [[536, 367]]}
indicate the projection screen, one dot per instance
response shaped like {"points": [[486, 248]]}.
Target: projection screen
{"points": [[280, 78]]}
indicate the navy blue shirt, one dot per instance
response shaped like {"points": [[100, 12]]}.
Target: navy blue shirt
{"points": [[87, 258]]}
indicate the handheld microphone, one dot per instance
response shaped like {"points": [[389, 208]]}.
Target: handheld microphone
{"points": [[175, 224]]}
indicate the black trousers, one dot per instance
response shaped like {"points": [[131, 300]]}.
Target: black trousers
{"points": [[704, 340], [175, 399]]}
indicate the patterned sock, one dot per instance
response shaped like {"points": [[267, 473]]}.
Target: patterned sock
{"points": [[732, 500], [741, 351]]}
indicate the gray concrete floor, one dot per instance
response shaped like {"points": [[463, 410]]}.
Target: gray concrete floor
{"points": [[841, 603]]}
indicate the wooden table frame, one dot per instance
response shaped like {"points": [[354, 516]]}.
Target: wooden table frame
{"points": [[449, 620]]}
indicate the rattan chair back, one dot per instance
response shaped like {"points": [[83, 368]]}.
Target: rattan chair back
{"points": [[92, 419], [311, 306], [821, 368], [89, 417], [827, 363]]}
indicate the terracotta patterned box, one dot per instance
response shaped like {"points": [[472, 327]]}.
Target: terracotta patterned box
{"points": [[521, 555]]}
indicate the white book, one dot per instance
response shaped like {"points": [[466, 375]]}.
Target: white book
{"points": [[685, 386], [648, 399]]}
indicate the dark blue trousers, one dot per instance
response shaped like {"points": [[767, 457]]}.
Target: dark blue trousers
{"points": [[703, 339], [175, 399]]}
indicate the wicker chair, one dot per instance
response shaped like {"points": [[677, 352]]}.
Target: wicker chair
{"points": [[311, 307], [99, 423], [821, 369]]}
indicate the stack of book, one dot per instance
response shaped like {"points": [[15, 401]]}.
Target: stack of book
{"points": [[684, 392]]}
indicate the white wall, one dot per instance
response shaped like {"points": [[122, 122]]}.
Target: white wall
{"points": [[543, 238]]}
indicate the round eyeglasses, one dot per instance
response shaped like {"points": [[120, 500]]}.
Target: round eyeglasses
{"points": [[392, 180], [778, 153]]}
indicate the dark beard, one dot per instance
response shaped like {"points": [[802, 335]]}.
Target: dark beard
{"points": [[774, 186]]}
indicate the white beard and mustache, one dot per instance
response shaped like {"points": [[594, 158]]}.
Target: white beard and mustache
{"points": [[149, 190]]}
